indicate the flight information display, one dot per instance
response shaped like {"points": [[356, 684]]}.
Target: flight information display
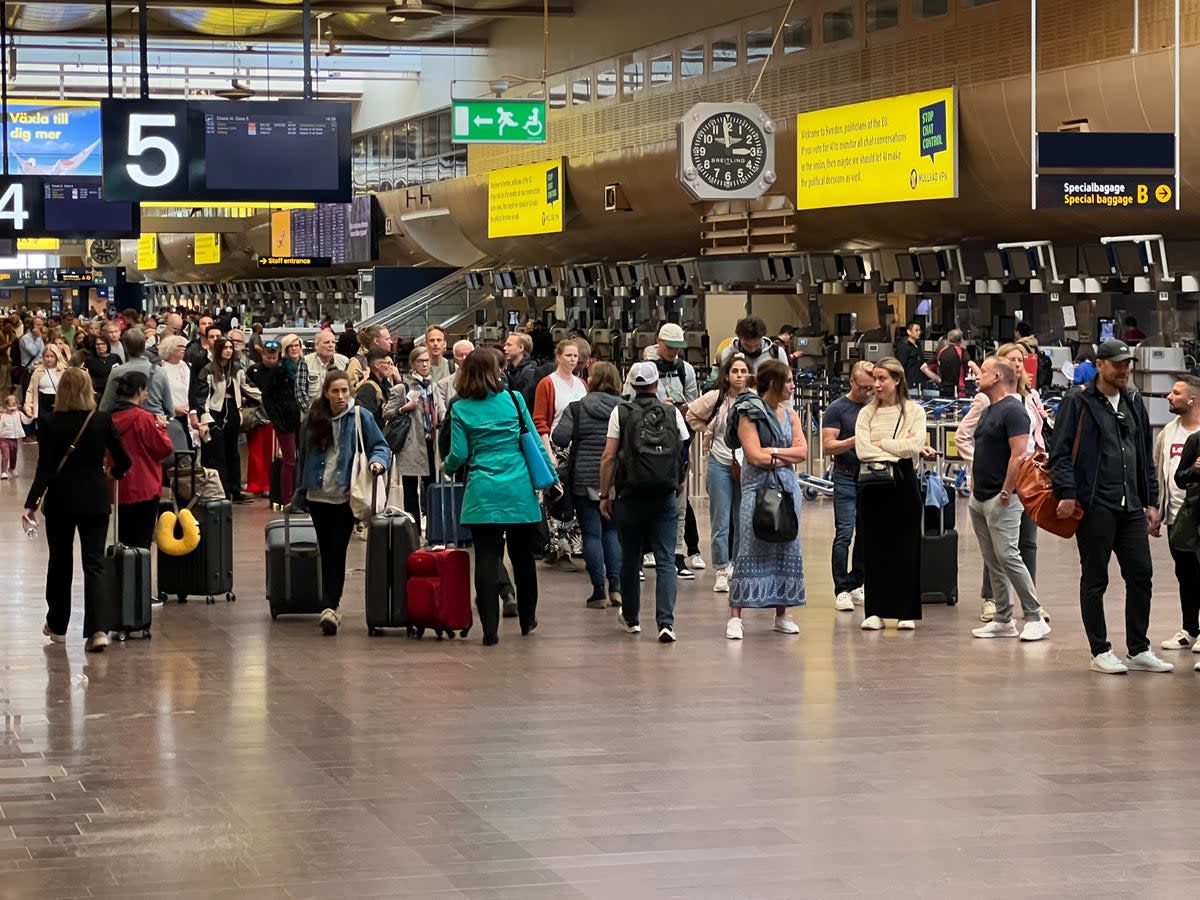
{"points": [[270, 152], [76, 208], [342, 232]]}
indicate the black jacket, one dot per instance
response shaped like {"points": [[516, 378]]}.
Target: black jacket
{"points": [[584, 425], [80, 489], [1084, 411], [196, 357], [372, 396], [278, 387], [521, 378]]}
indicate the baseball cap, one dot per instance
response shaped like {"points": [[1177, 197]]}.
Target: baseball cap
{"points": [[643, 374], [1114, 351], [671, 335]]}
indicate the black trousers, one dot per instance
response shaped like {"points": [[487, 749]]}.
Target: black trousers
{"points": [[135, 526], [60, 565], [221, 452], [489, 572], [691, 533], [1103, 532], [1187, 573], [333, 523]]}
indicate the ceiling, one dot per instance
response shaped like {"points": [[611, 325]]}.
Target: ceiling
{"points": [[464, 22]]}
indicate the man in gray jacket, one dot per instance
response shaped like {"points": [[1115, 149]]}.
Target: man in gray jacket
{"points": [[159, 399]]}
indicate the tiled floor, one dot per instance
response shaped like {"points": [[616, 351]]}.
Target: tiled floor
{"points": [[233, 756]]}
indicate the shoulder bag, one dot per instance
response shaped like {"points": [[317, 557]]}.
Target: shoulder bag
{"points": [[879, 471], [774, 518], [540, 472], [364, 499], [1036, 490]]}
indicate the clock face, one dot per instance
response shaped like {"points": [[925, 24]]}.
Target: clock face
{"points": [[729, 151]]}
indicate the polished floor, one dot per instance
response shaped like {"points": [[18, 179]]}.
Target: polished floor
{"points": [[232, 756]]}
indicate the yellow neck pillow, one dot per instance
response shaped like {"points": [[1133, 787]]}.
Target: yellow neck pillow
{"points": [[165, 533]]}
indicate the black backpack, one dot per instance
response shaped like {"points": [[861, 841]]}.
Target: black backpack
{"points": [[1045, 371], [648, 461]]}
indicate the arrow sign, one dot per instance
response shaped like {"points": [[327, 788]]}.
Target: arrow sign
{"points": [[498, 122], [480, 120]]}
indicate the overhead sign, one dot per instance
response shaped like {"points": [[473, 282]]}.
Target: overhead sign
{"points": [[147, 252], [498, 121], [53, 137], [42, 245], [281, 232], [53, 275], [881, 151], [294, 262], [1093, 191], [207, 249], [526, 199], [1117, 170]]}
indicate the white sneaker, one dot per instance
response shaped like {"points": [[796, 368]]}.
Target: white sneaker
{"points": [[872, 623], [629, 629], [785, 624], [721, 585], [906, 625], [859, 596], [696, 562], [3, 476], [648, 560], [330, 620], [1181, 641], [1146, 661], [1035, 630], [995, 630], [734, 630], [96, 643], [844, 602], [1196, 647], [987, 611], [1108, 664], [666, 635]]}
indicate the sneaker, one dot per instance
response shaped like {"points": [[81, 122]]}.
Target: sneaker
{"points": [[596, 601], [1196, 647], [614, 598], [648, 560], [96, 643], [1146, 661], [360, 530], [666, 635], [696, 562], [785, 624], [54, 638], [721, 585], [510, 606], [566, 564], [987, 611], [872, 623], [844, 602], [641, 575], [906, 625], [1181, 641], [3, 476], [683, 573], [1035, 630], [859, 596], [1108, 664], [629, 629], [735, 632], [995, 630], [330, 620]]}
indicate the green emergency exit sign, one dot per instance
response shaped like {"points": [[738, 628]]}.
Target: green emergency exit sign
{"points": [[499, 121]]}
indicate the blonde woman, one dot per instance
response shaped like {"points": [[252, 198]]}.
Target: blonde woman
{"points": [[43, 383], [891, 429]]}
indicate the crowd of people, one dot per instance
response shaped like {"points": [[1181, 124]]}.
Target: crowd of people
{"points": [[621, 449]]}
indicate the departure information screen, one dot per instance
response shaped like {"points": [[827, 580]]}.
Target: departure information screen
{"points": [[270, 152], [75, 207]]}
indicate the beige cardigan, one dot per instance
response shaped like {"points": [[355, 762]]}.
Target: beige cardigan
{"points": [[878, 423]]}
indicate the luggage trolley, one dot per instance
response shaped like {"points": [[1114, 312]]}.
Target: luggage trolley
{"points": [[942, 417], [812, 399]]}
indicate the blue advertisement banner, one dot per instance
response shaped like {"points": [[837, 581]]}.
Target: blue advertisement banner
{"points": [[53, 137]]}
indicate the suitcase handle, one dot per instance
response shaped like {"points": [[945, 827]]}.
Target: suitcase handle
{"points": [[116, 516]]}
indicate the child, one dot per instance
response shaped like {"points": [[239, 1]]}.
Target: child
{"points": [[12, 420]]}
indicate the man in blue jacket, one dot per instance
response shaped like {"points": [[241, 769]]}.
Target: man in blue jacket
{"points": [[1102, 461]]}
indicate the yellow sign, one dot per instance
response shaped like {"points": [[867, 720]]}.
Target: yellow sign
{"points": [[281, 233], [208, 249], [881, 151], [147, 258], [38, 244], [526, 199]]}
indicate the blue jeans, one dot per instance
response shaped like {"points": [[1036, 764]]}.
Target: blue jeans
{"points": [[724, 499], [651, 520], [847, 571], [601, 546]]}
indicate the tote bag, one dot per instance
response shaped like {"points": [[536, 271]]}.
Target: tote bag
{"points": [[774, 518], [365, 502], [535, 458]]}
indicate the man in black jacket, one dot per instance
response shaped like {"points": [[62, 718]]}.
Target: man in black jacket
{"points": [[521, 369], [278, 386], [1102, 461]]}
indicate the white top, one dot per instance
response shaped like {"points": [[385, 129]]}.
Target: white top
{"points": [[614, 424], [565, 393], [11, 421], [1174, 437], [179, 376], [49, 382]]}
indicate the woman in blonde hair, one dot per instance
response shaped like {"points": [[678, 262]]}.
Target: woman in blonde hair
{"points": [[891, 430], [43, 383]]}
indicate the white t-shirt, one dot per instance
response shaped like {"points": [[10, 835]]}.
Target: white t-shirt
{"points": [[1174, 437], [565, 393], [614, 424], [49, 382], [179, 376]]}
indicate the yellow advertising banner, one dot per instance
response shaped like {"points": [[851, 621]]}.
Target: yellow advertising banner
{"points": [[526, 199], [208, 249], [38, 244], [147, 257], [281, 233], [881, 151]]}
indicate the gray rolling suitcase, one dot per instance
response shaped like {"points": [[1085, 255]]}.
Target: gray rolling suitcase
{"points": [[391, 537], [294, 584], [126, 583]]}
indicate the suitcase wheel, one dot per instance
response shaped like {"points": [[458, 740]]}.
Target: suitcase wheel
{"points": [[374, 632], [274, 615], [162, 597], [183, 598], [464, 632], [420, 633], [952, 600], [209, 601], [810, 494], [450, 634], [438, 632], [410, 631], [231, 597]]}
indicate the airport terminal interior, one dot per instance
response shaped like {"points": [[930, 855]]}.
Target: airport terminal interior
{"points": [[987, 196]]}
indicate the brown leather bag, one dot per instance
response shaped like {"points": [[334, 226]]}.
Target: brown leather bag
{"points": [[1036, 491]]}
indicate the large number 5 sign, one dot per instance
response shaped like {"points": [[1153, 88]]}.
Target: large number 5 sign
{"points": [[145, 149], [140, 144]]}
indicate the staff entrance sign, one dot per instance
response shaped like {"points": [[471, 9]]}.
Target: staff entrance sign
{"points": [[499, 121]]}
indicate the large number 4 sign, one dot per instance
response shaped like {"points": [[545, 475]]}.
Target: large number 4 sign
{"points": [[145, 144], [21, 206]]}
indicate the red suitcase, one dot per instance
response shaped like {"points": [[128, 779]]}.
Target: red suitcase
{"points": [[439, 592]]}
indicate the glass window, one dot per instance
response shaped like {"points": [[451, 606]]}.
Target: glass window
{"points": [[758, 44], [724, 54], [400, 144], [837, 25], [927, 9], [445, 135], [632, 78], [581, 91], [662, 70], [691, 62], [797, 35], [429, 131], [881, 14], [606, 84], [558, 96]]}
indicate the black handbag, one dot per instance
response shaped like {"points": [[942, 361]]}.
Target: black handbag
{"points": [[878, 471], [774, 518], [1183, 534]]}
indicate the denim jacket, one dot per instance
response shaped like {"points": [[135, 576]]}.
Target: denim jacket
{"points": [[310, 463]]}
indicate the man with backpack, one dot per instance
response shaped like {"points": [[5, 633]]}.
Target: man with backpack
{"points": [[644, 460]]}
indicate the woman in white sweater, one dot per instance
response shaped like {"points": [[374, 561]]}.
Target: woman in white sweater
{"points": [[891, 430]]}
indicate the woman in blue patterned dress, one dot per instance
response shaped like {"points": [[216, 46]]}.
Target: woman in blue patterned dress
{"points": [[768, 430]]}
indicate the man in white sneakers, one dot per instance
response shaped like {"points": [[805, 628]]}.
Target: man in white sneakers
{"points": [[837, 439], [1184, 401], [1000, 444]]}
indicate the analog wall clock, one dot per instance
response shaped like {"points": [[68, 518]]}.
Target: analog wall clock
{"points": [[726, 151]]}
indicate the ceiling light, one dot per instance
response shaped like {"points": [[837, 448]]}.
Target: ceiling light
{"points": [[408, 10]]}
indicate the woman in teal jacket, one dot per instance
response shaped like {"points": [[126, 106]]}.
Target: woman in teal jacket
{"points": [[499, 501]]}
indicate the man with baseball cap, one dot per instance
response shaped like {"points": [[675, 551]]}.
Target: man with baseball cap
{"points": [[1101, 461]]}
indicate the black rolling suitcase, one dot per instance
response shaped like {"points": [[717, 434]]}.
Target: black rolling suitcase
{"points": [[939, 556], [207, 570], [294, 584], [126, 583], [390, 539]]}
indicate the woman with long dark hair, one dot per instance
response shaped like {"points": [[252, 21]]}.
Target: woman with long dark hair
{"points": [[328, 441], [891, 429], [218, 395]]}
